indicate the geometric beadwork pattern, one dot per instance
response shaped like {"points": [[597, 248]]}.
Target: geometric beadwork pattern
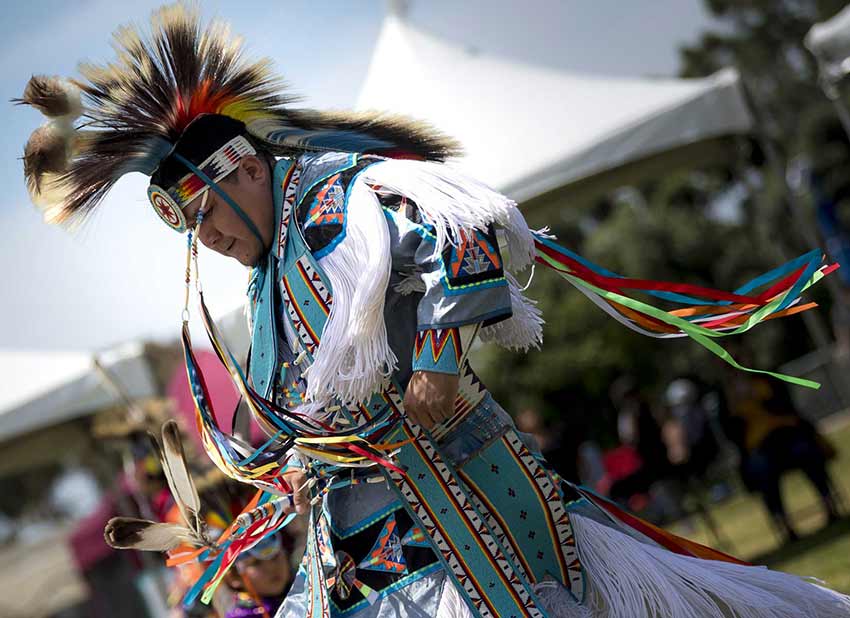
{"points": [[386, 554], [317, 585], [494, 587], [321, 211], [374, 561], [345, 579], [471, 391], [477, 586], [290, 184], [415, 538], [216, 166], [328, 206], [528, 516], [437, 349], [474, 260], [307, 301]]}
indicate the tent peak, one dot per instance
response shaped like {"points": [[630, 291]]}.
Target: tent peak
{"points": [[398, 8]]}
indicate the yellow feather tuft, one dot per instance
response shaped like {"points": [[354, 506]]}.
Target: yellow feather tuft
{"points": [[246, 111]]}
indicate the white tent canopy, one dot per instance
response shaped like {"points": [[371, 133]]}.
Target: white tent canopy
{"points": [[527, 129], [44, 388], [829, 41]]}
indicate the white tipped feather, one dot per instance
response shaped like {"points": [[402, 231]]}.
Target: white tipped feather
{"points": [[55, 97], [46, 157], [143, 535]]}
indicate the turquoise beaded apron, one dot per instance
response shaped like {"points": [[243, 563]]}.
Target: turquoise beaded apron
{"points": [[494, 544]]}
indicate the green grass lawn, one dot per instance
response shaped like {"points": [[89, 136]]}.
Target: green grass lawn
{"points": [[822, 553]]}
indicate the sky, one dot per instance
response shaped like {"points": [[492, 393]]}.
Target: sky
{"points": [[120, 276]]}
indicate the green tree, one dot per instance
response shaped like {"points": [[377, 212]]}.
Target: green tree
{"points": [[675, 229]]}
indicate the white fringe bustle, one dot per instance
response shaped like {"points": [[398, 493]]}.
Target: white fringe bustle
{"points": [[556, 600], [354, 358], [630, 579]]}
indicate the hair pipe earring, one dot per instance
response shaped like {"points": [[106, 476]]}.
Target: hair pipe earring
{"points": [[192, 255]]}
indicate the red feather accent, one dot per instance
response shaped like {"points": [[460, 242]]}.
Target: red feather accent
{"points": [[204, 100]]}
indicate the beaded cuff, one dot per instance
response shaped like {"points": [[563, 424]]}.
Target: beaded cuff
{"points": [[438, 350]]}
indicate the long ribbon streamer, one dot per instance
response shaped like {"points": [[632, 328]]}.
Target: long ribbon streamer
{"points": [[711, 314]]}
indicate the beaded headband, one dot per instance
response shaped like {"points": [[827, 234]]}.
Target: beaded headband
{"points": [[170, 203]]}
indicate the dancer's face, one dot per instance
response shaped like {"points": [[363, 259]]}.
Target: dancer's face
{"points": [[269, 577], [222, 229]]}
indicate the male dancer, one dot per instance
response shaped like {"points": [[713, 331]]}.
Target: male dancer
{"points": [[374, 267]]}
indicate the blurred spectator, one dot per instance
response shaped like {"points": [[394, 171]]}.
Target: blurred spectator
{"points": [[773, 439], [822, 167], [591, 467], [840, 315], [641, 459], [111, 577], [691, 446], [560, 452]]}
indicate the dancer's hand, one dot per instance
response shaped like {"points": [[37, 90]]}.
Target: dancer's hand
{"points": [[297, 479], [430, 397]]}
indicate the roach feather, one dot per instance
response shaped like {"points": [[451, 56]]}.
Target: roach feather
{"points": [[52, 96], [162, 81], [414, 137]]}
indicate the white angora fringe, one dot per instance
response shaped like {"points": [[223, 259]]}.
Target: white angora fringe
{"points": [[631, 579], [453, 203], [524, 329], [354, 358]]}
